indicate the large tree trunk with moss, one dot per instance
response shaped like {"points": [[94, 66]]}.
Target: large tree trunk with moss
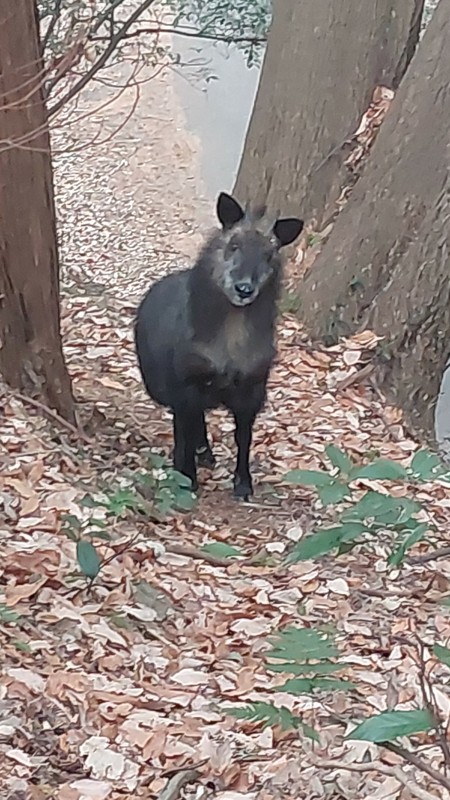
{"points": [[386, 264], [323, 61], [31, 357]]}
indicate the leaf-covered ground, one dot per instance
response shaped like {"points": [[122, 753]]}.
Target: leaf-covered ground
{"points": [[120, 691]]}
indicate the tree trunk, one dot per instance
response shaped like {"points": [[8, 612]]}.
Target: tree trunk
{"points": [[386, 264], [323, 61], [31, 357]]}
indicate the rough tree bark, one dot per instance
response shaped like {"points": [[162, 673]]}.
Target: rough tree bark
{"points": [[322, 64], [386, 264], [31, 357]]}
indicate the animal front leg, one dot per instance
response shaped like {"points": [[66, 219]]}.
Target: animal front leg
{"points": [[243, 486], [204, 453], [184, 451]]}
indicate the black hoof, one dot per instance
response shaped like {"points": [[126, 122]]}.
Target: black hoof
{"points": [[205, 458], [242, 490]]}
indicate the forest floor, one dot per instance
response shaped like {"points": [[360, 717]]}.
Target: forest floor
{"points": [[119, 690]]}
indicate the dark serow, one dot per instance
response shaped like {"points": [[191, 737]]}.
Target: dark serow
{"points": [[205, 336]]}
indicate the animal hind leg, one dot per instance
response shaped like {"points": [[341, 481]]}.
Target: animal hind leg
{"points": [[203, 451]]}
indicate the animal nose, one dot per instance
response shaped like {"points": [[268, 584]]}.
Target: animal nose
{"points": [[244, 289]]}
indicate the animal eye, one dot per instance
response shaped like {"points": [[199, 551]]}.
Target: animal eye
{"points": [[233, 247]]}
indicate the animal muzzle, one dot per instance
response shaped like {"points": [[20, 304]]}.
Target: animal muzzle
{"points": [[244, 290]]}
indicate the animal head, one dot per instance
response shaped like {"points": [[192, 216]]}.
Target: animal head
{"points": [[246, 253]]}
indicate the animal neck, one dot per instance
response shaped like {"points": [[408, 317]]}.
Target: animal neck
{"points": [[211, 311]]}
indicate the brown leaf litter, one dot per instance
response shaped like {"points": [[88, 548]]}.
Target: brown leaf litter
{"points": [[120, 692]]}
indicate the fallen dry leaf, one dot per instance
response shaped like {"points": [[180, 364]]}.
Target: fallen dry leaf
{"points": [[107, 691]]}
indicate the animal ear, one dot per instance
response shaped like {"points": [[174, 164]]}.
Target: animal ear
{"points": [[229, 211], [286, 230]]}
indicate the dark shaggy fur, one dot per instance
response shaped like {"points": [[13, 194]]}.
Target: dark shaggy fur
{"points": [[205, 336]]}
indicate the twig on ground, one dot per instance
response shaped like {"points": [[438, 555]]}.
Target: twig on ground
{"points": [[356, 377], [176, 783], [417, 761], [430, 701], [419, 593], [385, 593], [193, 552], [376, 766], [388, 425], [441, 552], [54, 415]]}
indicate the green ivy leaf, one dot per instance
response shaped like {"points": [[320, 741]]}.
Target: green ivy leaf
{"points": [[339, 459], [156, 461], [7, 615], [324, 668], [325, 540], [309, 732], [442, 653], [397, 556], [98, 523], [71, 534], [425, 466], [308, 477], [389, 725], [298, 686], [87, 501], [184, 500], [71, 521], [333, 493], [182, 480], [386, 510], [24, 647], [104, 535], [222, 550], [88, 558], [164, 501], [121, 501], [380, 470]]}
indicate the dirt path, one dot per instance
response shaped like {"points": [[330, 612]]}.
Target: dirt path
{"points": [[105, 692], [130, 199]]}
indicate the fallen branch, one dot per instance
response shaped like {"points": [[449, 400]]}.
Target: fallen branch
{"points": [[376, 766], [357, 377], [176, 783], [388, 425], [441, 552], [417, 761], [201, 555], [54, 415]]}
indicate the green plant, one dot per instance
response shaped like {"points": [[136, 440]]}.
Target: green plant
{"points": [[312, 657], [289, 302], [390, 725], [155, 492], [8, 616], [373, 513], [309, 655], [312, 653], [168, 489], [221, 550]]}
